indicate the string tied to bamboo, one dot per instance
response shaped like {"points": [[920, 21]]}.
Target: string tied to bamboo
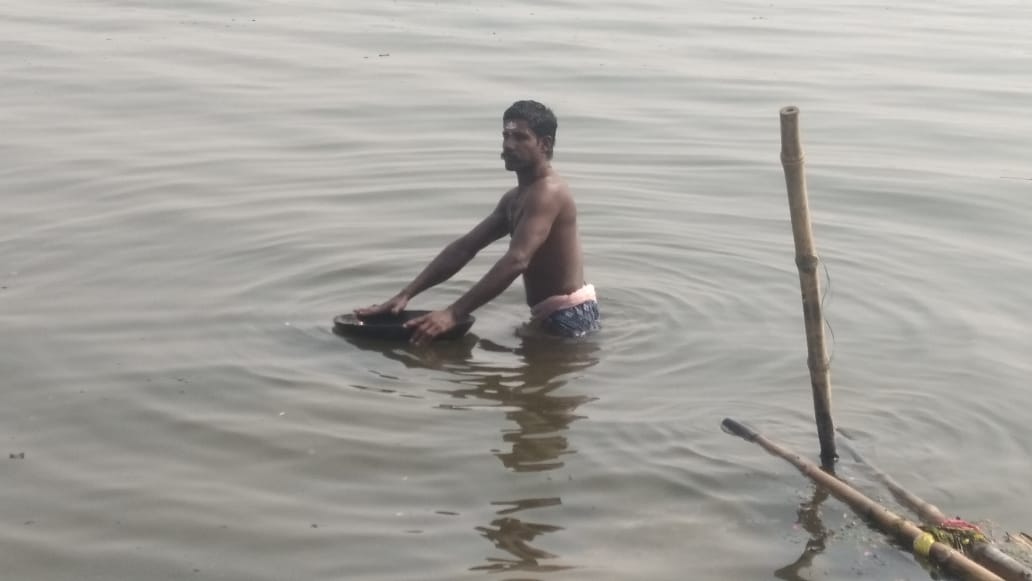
{"points": [[957, 533]]}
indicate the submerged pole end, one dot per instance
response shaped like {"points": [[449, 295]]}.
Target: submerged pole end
{"points": [[828, 459], [739, 429]]}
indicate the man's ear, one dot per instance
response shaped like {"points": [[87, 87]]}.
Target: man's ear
{"points": [[548, 143]]}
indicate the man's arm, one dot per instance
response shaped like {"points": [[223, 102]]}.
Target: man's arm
{"points": [[450, 260], [539, 214]]}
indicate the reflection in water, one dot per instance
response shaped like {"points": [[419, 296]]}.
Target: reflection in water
{"points": [[541, 418], [513, 536], [537, 440], [809, 517], [439, 355], [523, 380]]}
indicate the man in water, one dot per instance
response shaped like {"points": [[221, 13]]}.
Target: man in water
{"points": [[541, 217]]}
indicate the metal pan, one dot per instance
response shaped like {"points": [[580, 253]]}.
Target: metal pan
{"points": [[391, 327]]}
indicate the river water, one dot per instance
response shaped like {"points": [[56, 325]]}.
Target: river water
{"points": [[192, 190]]}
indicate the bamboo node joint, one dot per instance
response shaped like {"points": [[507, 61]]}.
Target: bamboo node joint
{"points": [[819, 366], [807, 263]]}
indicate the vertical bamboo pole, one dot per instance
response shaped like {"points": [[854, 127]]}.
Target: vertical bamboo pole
{"points": [[792, 160]]}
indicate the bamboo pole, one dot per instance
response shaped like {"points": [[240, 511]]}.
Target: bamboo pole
{"points": [[922, 543], [792, 159], [928, 512], [985, 553], [1023, 539]]}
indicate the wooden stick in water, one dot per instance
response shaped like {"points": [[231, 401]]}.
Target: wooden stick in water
{"points": [[985, 553], [922, 543], [792, 160], [929, 513]]}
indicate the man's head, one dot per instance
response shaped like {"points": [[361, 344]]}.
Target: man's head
{"points": [[528, 130]]}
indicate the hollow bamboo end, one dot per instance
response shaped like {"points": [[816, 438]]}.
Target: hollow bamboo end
{"points": [[789, 111], [791, 143]]}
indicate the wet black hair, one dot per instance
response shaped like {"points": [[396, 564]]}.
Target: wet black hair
{"points": [[539, 118]]}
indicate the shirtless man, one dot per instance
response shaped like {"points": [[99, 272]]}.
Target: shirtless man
{"points": [[540, 216]]}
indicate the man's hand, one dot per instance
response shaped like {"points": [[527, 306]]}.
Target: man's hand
{"points": [[394, 305], [430, 325]]}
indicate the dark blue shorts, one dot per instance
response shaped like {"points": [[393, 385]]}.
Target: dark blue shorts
{"points": [[574, 321]]}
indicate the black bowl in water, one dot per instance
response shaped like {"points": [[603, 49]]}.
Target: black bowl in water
{"points": [[391, 327]]}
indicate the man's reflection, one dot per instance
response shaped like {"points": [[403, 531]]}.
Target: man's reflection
{"points": [[526, 381], [528, 386], [513, 536]]}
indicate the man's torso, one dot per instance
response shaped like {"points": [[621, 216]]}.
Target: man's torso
{"points": [[557, 266]]}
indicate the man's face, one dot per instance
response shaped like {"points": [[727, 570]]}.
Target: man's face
{"points": [[521, 147]]}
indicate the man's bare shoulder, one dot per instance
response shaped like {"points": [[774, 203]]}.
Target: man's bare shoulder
{"points": [[506, 200], [508, 197], [552, 187]]}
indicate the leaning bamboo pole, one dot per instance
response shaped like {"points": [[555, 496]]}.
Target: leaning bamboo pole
{"points": [[806, 259], [984, 552], [1022, 539], [928, 512], [922, 543]]}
